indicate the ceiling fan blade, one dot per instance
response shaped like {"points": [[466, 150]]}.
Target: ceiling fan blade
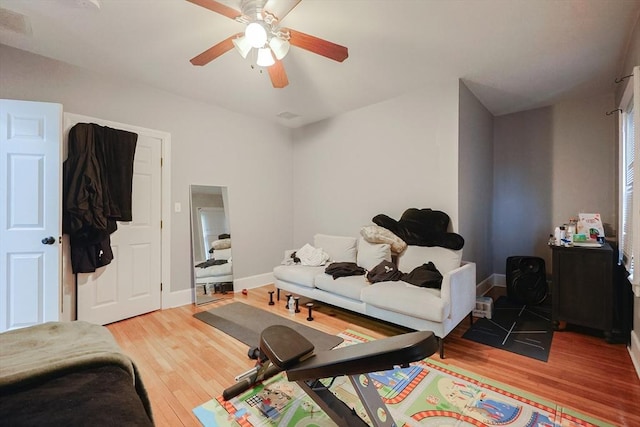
{"points": [[278, 75], [213, 52], [319, 46], [280, 8], [218, 8]]}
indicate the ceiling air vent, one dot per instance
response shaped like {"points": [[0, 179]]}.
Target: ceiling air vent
{"points": [[287, 115]]}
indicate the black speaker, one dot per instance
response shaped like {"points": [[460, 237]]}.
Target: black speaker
{"points": [[526, 280]]}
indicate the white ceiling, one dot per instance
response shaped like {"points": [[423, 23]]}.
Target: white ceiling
{"points": [[513, 54]]}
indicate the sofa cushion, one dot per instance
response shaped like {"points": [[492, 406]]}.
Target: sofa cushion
{"points": [[444, 259], [377, 234], [371, 254], [299, 274], [402, 297], [339, 248], [222, 253], [349, 286]]}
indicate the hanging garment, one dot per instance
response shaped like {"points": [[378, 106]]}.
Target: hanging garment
{"points": [[97, 191]]}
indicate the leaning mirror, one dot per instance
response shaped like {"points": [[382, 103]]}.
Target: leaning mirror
{"points": [[211, 243]]}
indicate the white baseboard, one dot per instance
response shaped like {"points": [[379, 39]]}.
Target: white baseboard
{"points": [[499, 280], [252, 281], [634, 350], [185, 296], [177, 298], [483, 287], [494, 280]]}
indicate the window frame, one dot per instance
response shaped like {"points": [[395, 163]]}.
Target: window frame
{"points": [[630, 101]]}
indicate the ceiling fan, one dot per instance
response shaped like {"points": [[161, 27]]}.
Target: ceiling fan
{"points": [[264, 34]]}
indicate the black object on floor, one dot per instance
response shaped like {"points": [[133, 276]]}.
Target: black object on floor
{"points": [[526, 280], [518, 328], [245, 322]]}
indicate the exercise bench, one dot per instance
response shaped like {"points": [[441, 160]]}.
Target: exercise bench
{"points": [[284, 349]]}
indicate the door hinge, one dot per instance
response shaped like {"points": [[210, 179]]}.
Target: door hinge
{"points": [[160, 224], [160, 286], [161, 161]]}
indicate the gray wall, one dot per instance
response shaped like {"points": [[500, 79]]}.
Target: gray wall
{"points": [[631, 59], [475, 171], [550, 164], [429, 148], [210, 146], [383, 158], [584, 160], [522, 185]]}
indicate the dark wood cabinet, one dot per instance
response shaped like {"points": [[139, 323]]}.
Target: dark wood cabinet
{"points": [[582, 287]]}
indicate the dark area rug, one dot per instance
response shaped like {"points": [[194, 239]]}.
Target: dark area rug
{"points": [[245, 323], [523, 329]]}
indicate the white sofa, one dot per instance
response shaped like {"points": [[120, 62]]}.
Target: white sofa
{"points": [[216, 274], [437, 310]]}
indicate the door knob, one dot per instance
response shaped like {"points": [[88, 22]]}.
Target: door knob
{"points": [[48, 240]]}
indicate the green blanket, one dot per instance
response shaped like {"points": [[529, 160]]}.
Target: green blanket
{"points": [[35, 353]]}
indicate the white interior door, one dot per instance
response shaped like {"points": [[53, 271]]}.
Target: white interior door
{"points": [[131, 284], [30, 224]]}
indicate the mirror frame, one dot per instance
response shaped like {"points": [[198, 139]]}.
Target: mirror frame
{"points": [[208, 290]]}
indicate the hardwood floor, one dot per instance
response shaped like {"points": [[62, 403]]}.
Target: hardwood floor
{"points": [[185, 362]]}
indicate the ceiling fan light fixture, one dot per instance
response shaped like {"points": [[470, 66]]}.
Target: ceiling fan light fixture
{"points": [[256, 34], [242, 46], [265, 57], [279, 47]]}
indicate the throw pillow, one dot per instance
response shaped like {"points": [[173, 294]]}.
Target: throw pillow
{"points": [[444, 259], [377, 234], [221, 244], [371, 254], [339, 248]]}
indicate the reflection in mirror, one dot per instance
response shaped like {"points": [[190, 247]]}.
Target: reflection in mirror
{"points": [[211, 243]]}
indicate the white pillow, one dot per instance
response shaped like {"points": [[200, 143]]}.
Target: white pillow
{"points": [[221, 244], [372, 254], [339, 248], [444, 259], [377, 234]]}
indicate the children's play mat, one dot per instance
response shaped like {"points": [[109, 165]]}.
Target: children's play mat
{"points": [[427, 393]]}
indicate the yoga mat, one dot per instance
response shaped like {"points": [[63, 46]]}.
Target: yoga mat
{"points": [[245, 322], [518, 328]]}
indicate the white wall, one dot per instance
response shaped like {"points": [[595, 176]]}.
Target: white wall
{"points": [[475, 171], [210, 146], [383, 158]]}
